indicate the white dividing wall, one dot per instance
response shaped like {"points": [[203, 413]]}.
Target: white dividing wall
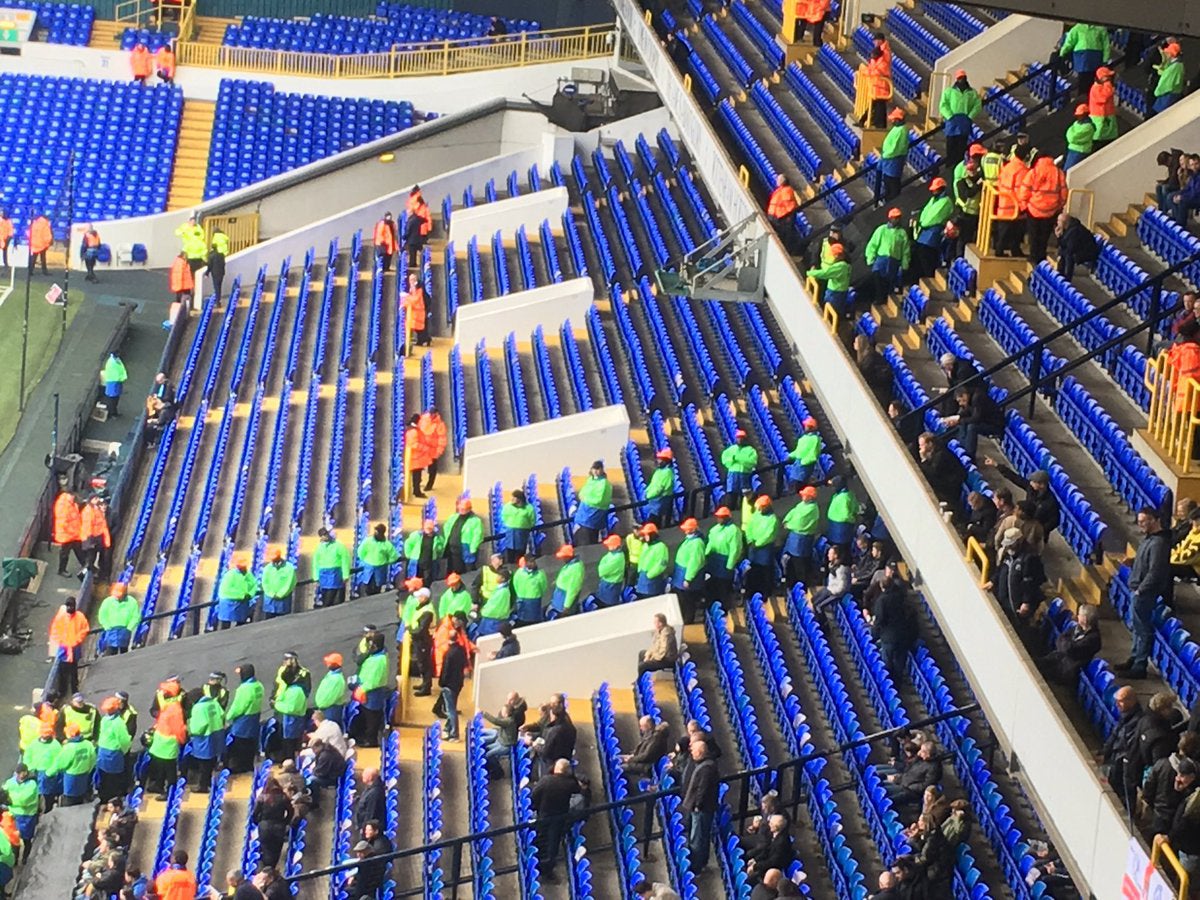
{"points": [[522, 312], [572, 655], [1008, 45], [544, 448], [1080, 812], [1107, 171], [509, 214]]}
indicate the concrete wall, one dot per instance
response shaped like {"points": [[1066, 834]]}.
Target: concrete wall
{"points": [[545, 448], [1006, 46], [509, 214], [574, 655], [1107, 172], [435, 93], [1079, 811], [522, 312]]}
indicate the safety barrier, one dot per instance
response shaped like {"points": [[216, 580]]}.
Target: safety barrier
{"points": [[240, 228], [989, 202], [1174, 411], [864, 89], [440, 58]]}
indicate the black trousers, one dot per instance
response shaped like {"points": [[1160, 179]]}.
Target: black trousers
{"points": [[42, 256], [241, 755], [367, 724], [331, 596], [956, 149], [689, 601], [454, 559], [217, 281], [431, 474], [271, 836], [1008, 238], [89, 262], [653, 665], [422, 652], [160, 774], [818, 31], [584, 536], [891, 186], [4, 251], [68, 677], [548, 838], [203, 769], [925, 260], [196, 264], [1039, 231], [64, 553], [416, 491], [382, 254], [112, 784]]}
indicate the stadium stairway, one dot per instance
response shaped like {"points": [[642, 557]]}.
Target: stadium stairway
{"points": [[106, 34], [191, 154]]}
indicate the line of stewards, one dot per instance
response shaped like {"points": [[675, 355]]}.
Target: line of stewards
{"points": [[811, 14], [418, 225], [416, 317], [7, 230], [41, 236]]}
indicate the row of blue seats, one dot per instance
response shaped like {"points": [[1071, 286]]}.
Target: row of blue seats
{"points": [[743, 73], [616, 789], [742, 714], [838, 69], [828, 117], [1098, 684], [1040, 84], [1175, 653], [758, 34], [1013, 334], [760, 164], [954, 19], [527, 852], [798, 147], [928, 48], [1133, 98], [906, 81], [1004, 109], [483, 867], [65, 23], [994, 815], [1169, 242]]}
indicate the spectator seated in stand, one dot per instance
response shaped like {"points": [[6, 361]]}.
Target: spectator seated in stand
{"points": [[664, 648], [1074, 648]]}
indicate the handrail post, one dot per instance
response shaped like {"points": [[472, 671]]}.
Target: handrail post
{"points": [[1035, 373], [1155, 312], [524, 48]]}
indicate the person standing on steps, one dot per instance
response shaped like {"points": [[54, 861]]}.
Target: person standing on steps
{"points": [[278, 585], [1171, 78], [517, 518], [687, 579], [888, 255], [119, 617], [836, 277], [95, 536], [244, 720], [740, 459], [1009, 213], [723, 555], [959, 107], [415, 311], [761, 529], [113, 377], [781, 210], [218, 249], [1102, 107], [529, 586], [1089, 48], [416, 453], [330, 569], [893, 154], [417, 227], [141, 63], [377, 555], [568, 582], [66, 527], [423, 551], [89, 251], [653, 563], [1043, 194], [235, 594], [1081, 137], [591, 514], [812, 14], [1151, 583], [660, 492], [180, 279], [463, 537], [927, 229], [192, 243], [385, 240], [610, 572], [164, 62], [434, 434]]}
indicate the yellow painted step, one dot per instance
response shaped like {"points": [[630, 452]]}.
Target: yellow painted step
{"points": [[191, 158]]}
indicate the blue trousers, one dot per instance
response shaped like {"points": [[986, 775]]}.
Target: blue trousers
{"points": [[1143, 629], [699, 839]]}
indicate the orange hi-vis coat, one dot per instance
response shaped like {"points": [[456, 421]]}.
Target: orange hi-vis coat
{"points": [[783, 202], [40, 235], [1008, 185], [879, 72], [433, 435], [68, 631], [418, 207], [165, 60], [140, 61], [418, 453], [93, 524], [67, 519], [181, 278], [414, 307], [6, 230], [1043, 190], [385, 236], [813, 11], [441, 644]]}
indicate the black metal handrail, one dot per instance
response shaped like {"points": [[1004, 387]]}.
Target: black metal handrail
{"points": [[1157, 314]]}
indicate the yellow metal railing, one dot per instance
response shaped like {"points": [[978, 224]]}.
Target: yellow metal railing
{"points": [[241, 229], [1163, 850], [404, 61], [1174, 410], [157, 13], [828, 313], [864, 93], [989, 200], [977, 553]]}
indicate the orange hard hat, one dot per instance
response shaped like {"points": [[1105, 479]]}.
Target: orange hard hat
{"points": [[276, 553], [960, 73], [808, 493], [648, 529], [1173, 49], [723, 512], [566, 551], [896, 115], [413, 584], [240, 561], [1081, 109], [740, 433], [665, 453], [894, 213], [809, 423], [333, 660], [46, 730], [689, 526], [119, 589], [612, 542], [110, 705], [464, 505], [762, 501], [72, 730], [1105, 72], [976, 150], [453, 579], [937, 184], [837, 249]]}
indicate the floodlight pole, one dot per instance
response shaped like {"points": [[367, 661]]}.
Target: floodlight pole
{"points": [[70, 225], [25, 321]]}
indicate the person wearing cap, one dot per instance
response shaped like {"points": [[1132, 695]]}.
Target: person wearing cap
{"points": [[591, 513], [927, 229], [1102, 106], [39, 758], [168, 735], [805, 455], [968, 191], [332, 692], [653, 563], [376, 556], [723, 553], [888, 255], [1171, 78], [610, 572], [740, 459], [330, 569], [1043, 195], [529, 586], [1081, 136], [291, 667], [1009, 231], [836, 278], [660, 492], [406, 608], [1170, 782], [959, 107], [517, 518], [235, 594], [781, 210], [762, 528], [842, 515], [423, 550], [424, 620], [416, 453], [244, 720], [800, 525], [65, 527], [68, 631], [498, 607], [1088, 47], [119, 618], [76, 761], [687, 577], [21, 788], [291, 716], [206, 730], [464, 535], [1046, 509], [83, 715], [278, 585], [893, 154], [170, 690], [976, 152], [568, 582], [1018, 578], [455, 598]]}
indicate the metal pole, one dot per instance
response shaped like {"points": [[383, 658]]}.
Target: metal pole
{"points": [[70, 225], [54, 435], [1035, 372], [1155, 310], [25, 321]]}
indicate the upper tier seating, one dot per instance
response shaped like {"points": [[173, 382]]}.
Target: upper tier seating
{"points": [[65, 23], [45, 120], [259, 132]]}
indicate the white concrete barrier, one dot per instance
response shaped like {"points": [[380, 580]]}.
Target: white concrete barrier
{"points": [[545, 448], [522, 312], [1002, 48], [572, 655], [1080, 812], [509, 214], [1107, 172]]}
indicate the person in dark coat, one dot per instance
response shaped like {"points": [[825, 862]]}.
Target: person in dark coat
{"points": [[273, 815], [934, 860], [1118, 748], [654, 741], [776, 852], [557, 740], [944, 473], [1076, 245], [551, 800], [1156, 736], [1074, 648], [371, 802], [907, 788], [699, 803], [1037, 490], [454, 668], [893, 620], [1018, 579], [874, 369], [981, 518], [978, 414], [1170, 782]]}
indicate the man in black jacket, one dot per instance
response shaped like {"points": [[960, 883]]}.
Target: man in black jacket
{"points": [[944, 473], [1074, 648], [874, 369], [1046, 510], [699, 803], [894, 620], [1170, 782], [558, 739], [371, 802], [1151, 583], [454, 667], [1019, 577], [551, 800], [653, 743], [1076, 244], [978, 414], [908, 787], [1155, 738], [1119, 748], [776, 852]]}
